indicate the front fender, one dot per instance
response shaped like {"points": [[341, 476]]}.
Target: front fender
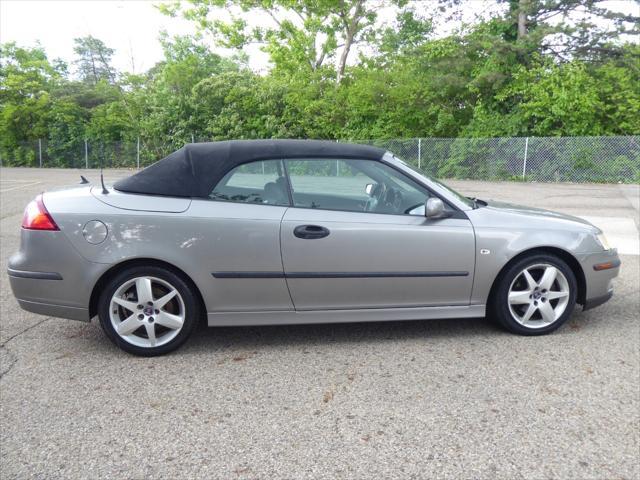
{"points": [[497, 246]]}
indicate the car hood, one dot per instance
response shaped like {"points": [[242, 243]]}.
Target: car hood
{"points": [[505, 214]]}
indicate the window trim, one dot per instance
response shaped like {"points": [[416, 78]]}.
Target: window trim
{"points": [[289, 185], [457, 213]]}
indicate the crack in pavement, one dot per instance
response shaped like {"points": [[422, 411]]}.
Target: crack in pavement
{"points": [[24, 331], [13, 359]]}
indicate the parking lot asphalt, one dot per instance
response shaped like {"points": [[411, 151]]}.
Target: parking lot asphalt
{"points": [[433, 399]]}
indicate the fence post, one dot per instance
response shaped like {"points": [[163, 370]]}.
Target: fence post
{"points": [[526, 150], [40, 151], [419, 153], [193, 140], [138, 154]]}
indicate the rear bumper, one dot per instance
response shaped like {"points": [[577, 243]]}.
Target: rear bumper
{"points": [[36, 293], [35, 275], [49, 277], [51, 310]]}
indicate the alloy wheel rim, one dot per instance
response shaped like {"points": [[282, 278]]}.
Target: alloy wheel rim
{"points": [[538, 296], [147, 312]]}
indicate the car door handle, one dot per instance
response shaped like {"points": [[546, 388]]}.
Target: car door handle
{"points": [[310, 232]]}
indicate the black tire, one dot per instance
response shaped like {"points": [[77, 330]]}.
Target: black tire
{"points": [[192, 309], [499, 302]]}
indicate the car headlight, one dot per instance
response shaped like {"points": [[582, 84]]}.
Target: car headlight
{"points": [[602, 240]]}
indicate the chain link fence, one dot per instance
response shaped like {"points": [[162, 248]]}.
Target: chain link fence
{"points": [[541, 159]]}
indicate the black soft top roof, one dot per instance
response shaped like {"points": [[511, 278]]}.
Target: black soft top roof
{"points": [[196, 168]]}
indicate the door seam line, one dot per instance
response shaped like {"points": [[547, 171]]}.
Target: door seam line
{"points": [[286, 282]]}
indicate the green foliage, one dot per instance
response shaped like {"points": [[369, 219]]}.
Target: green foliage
{"points": [[93, 60], [297, 34], [489, 79]]}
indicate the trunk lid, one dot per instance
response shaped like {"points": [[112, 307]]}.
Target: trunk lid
{"points": [[141, 203]]}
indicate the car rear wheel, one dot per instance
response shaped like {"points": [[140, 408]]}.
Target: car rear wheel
{"points": [[536, 295], [148, 311]]}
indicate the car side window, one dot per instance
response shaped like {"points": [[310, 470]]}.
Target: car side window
{"points": [[262, 182], [353, 186]]}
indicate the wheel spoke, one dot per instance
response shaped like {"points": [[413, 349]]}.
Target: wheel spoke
{"points": [[554, 295], [169, 320], [131, 306], [162, 301], [531, 283], [519, 297], [143, 288], [547, 312], [548, 277], [527, 315], [129, 325], [151, 333]]}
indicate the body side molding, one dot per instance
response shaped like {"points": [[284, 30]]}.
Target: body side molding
{"points": [[338, 274]]}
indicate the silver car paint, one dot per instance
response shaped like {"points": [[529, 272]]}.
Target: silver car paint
{"points": [[201, 237], [211, 236], [508, 230], [368, 243]]}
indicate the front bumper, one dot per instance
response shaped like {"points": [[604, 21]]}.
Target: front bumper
{"points": [[599, 270], [597, 301]]}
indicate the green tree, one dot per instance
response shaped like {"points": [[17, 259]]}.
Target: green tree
{"points": [[297, 34], [26, 80], [570, 29], [166, 106], [93, 60]]}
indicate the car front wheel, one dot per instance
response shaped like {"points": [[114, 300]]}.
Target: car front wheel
{"points": [[536, 295], [148, 311]]}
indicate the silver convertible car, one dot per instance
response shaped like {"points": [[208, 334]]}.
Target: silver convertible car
{"points": [[293, 231]]}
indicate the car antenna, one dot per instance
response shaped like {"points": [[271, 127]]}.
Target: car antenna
{"points": [[83, 180], [104, 189]]}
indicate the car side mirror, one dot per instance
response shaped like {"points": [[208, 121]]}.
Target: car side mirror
{"points": [[369, 188], [434, 208]]}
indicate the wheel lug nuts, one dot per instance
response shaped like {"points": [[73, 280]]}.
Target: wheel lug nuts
{"points": [[535, 303], [140, 317], [157, 312], [150, 319], [149, 303], [139, 307]]}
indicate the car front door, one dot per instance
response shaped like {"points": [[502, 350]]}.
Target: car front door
{"points": [[349, 242]]}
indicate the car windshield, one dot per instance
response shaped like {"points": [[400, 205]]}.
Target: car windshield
{"points": [[459, 196]]}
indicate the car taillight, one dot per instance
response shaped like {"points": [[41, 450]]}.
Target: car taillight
{"points": [[36, 216]]}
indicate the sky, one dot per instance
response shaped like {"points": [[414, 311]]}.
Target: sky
{"points": [[131, 27]]}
